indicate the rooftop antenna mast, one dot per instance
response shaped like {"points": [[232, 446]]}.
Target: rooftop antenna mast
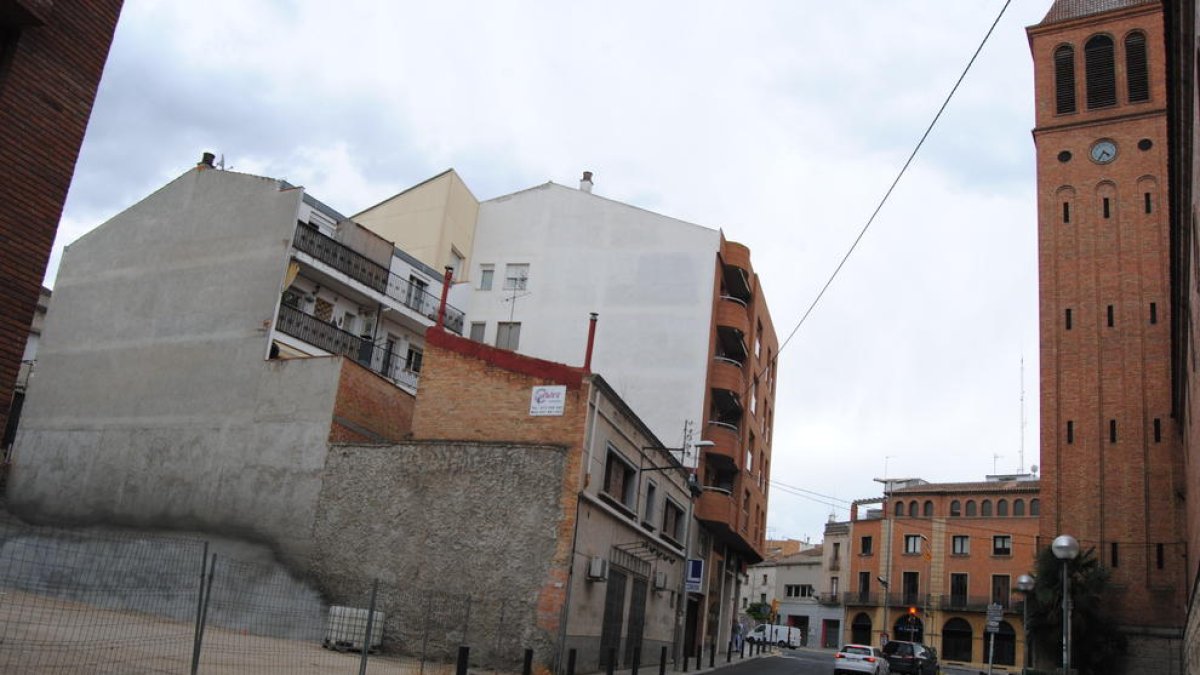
{"points": [[518, 285], [1021, 459]]}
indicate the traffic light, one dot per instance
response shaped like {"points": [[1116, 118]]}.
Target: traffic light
{"points": [[912, 611]]}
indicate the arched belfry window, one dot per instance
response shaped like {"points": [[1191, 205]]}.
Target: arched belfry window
{"points": [[1135, 67], [1099, 67], [1064, 80]]}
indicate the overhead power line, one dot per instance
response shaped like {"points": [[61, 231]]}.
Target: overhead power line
{"points": [[895, 182]]}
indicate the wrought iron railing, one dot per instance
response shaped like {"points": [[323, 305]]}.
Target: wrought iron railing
{"points": [[908, 599], [379, 358], [375, 276], [979, 603], [862, 598], [830, 599]]}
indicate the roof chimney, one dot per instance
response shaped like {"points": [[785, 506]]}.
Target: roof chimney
{"points": [[586, 183], [206, 161]]}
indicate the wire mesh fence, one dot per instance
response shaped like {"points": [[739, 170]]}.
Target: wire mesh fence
{"points": [[123, 603]]}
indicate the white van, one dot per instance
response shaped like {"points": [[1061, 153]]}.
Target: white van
{"points": [[776, 634]]}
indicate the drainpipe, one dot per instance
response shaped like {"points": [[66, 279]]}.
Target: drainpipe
{"points": [[591, 342], [447, 279]]}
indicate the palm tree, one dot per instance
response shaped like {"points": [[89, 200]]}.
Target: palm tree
{"points": [[1095, 643]]}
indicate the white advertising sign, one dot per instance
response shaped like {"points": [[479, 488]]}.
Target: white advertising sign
{"points": [[548, 400]]}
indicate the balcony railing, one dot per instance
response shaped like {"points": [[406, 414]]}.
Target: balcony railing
{"points": [[908, 599], [830, 599], [862, 598], [978, 603], [374, 276], [341, 258], [334, 340]]}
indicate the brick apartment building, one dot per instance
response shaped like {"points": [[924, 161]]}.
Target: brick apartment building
{"points": [[927, 559], [1112, 451], [52, 54]]}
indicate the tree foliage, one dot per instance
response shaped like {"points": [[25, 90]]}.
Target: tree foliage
{"points": [[760, 611], [1095, 642]]}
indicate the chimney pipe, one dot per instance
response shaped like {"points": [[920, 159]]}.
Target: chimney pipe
{"points": [[587, 359], [586, 183], [447, 279], [206, 161]]}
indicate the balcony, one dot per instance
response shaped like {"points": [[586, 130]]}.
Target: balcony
{"points": [[977, 603], [732, 313], [727, 374], [725, 439], [908, 599], [735, 271], [830, 599], [374, 276], [341, 258], [862, 599], [330, 338]]}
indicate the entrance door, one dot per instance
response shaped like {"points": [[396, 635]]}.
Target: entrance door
{"points": [[831, 631], [637, 620], [614, 612], [690, 627]]}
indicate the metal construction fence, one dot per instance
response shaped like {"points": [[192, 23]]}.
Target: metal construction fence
{"points": [[128, 603]]}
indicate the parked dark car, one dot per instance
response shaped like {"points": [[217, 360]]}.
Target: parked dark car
{"points": [[911, 657]]}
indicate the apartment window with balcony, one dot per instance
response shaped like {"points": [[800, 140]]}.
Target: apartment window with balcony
{"points": [[1002, 545], [911, 584], [912, 544], [958, 589], [672, 526], [833, 586], [412, 362], [620, 480], [486, 274], [837, 551], [1000, 589], [960, 545], [417, 288], [508, 335], [516, 277], [864, 585], [865, 545]]}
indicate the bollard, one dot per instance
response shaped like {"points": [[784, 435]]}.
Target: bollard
{"points": [[662, 661], [684, 654], [571, 662], [527, 669], [699, 656], [637, 661], [612, 660], [464, 653], [742, 650], [729, 652], [712, 655]]}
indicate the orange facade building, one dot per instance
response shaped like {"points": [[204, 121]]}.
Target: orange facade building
{"points": [[927, 559]]}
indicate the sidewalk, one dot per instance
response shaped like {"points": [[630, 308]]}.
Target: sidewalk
{"points": [[720, 663]]}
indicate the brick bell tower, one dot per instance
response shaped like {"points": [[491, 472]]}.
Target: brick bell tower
{"points": [[1112, 473]]}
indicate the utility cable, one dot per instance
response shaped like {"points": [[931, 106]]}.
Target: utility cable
{"points": [[895, 182]]}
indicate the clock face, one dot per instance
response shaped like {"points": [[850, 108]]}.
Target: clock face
{"points": [[1103, 152]]}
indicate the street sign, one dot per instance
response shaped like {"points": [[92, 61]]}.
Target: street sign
{"points": [[994, 614], [993, 626], [695, 575]]}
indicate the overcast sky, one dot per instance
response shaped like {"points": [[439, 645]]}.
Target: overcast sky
{"points": [[782, 123]]}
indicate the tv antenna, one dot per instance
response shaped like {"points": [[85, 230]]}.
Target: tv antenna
{"points": [[517, 286]]}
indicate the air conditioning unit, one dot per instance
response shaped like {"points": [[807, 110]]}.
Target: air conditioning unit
{"points": [[597, 569], [348, 626], [660, 581]]}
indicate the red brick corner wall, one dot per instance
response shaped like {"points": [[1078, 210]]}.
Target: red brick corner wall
{"points": [[48, 79], [369, 409]]}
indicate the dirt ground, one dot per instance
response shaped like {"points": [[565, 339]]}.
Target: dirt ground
{"points": [[41, 635]]}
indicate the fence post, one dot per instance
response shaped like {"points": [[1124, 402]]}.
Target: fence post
{"points": [[212, 568], [199, 611], [464, 655], [570, 662], [362, 663]]}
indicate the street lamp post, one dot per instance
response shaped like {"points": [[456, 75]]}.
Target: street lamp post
{"points": [[1025, 585], [1066, 549]]}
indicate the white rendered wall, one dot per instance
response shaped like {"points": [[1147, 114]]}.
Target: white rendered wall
{"points": [[649, 277]]}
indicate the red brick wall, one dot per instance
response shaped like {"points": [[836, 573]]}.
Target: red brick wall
{"points": [[1095, 489], [369, 409], [47, 86]]}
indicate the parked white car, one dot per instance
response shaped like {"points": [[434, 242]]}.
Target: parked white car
{"points": [[776, 634]]}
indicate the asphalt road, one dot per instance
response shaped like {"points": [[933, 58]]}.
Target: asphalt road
{"points": [[790, 662]]}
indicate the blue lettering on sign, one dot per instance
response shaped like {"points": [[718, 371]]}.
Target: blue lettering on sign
{"points": [[695, 575]]}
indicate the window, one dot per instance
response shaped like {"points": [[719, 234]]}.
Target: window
{"points": [[912, 544], [477, 330], [1110, 316], [415, 298], [866, 546], [912, 509], [960, 544], [1066, 212], [620, 480], [1068, 311], [899, 508], [958, 589], [672, 525], [1147, 205], [911, 585], [970, 507], [1035, 507], [516, 277], [1070, 432], [833, 585], [651, 498], [864, 584], [1002, 544], [486, 274], [837, 551], [1000, 589], [1113, 557], [955, 509], [1098, 66], [798, 590], [985, 508], [1018, 507], [1064, 80], [1002, 508], [754, 397], [1135, 68], [928, 509], [1158, 556], [1153, 312], [1112, 431], [455, 265], [1106, 208], [508, 335], [762, 598], [764, 579], [412, 362], [1157, 430]]}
